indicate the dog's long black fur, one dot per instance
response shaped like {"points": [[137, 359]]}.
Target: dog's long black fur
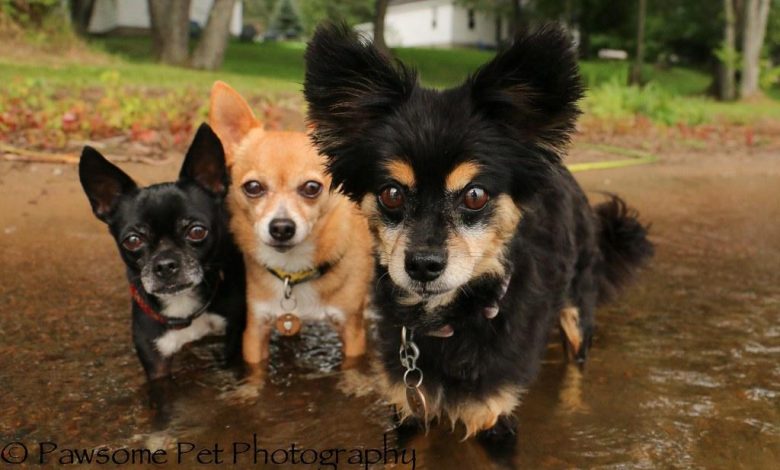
{"points": [[513, 118]]}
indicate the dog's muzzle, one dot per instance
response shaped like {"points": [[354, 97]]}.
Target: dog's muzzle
{"points": [[425, 264]]}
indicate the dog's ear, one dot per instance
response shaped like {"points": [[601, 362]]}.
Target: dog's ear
{"points": [[205, 162], [103, 182], [349, 85], [533, 87], [231, 117]]}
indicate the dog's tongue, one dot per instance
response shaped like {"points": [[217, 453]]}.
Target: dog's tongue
{"points": [[490, 312], [444, 332]]}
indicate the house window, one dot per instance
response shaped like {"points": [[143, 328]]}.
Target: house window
{"points": [[472, 21], [434, 17]]}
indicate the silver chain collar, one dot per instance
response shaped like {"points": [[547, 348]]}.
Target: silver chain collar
{"points": [[413, 375]]}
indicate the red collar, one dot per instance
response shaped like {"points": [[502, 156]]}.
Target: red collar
{"points": [[172, 323], [145, 307]]}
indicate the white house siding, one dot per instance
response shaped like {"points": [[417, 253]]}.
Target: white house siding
{"points": [[411, 23], [111, 14], [482, 34], [133, 14], [104, 16], [199, 12]]}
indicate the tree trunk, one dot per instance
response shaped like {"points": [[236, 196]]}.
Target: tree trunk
{"points": [[170, 21], [635, 77], [156, 25], [498, 26], [728, 69], [81, 14], [380, 11], [756, 15], [211, 49]]}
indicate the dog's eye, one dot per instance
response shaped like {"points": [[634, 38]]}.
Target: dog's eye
{"points": [[133, 242], [253, 188], [197, 233], [475, 198], [310, 189], [392, 198]]}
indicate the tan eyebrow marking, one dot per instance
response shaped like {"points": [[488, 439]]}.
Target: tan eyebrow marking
{"points": [[461, 175], [401, 172]]}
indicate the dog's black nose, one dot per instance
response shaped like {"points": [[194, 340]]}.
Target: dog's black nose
{"points": [[282, 229], [426, 264], [166, 268]]}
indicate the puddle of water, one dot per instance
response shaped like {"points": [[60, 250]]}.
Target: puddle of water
{"points": [[684, 370]]}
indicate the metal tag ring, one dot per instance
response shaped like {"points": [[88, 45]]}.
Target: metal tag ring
{"points": [[409, 350], [288, 304], [406, 378], [287, 288], [404, 342]]}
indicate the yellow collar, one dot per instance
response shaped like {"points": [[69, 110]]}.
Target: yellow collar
{"points": [[297, 277]]}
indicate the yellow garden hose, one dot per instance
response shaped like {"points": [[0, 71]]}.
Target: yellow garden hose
{"points": [[636, 157]]}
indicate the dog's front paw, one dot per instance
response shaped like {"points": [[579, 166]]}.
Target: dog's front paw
{"points": [[406, 428], [501, 439], [249, 388], [244, 393], [356, 383]]}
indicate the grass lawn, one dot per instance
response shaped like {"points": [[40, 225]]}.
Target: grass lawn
{"points": [[437, 67], [275, 67], [137, 71], [276, 70]]}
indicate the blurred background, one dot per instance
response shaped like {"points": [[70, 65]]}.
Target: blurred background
{"points": [[681, 117], [119, 71]]}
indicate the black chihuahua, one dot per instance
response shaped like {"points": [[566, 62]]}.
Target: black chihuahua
{"points": [[186, 275]]}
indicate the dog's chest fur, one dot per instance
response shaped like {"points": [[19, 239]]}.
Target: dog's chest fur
{"points": [[308, 304], [483, 354], [180, 307]]}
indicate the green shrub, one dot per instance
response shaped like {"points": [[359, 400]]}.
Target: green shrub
{"points": [[28, 12], [613, 100], [36, 24]]}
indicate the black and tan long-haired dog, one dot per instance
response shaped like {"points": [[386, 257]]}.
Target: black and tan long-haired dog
{"points": [[484, 240]]}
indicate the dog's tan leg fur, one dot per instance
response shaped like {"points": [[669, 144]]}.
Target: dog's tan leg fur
{"points": [[476, 415], [353, 335], [257, 336], [350, 298], [345, 231], [394, 393], [480, 415], [570, 324]]}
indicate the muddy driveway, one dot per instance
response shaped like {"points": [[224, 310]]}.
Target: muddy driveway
{"points": [[684, 370]]}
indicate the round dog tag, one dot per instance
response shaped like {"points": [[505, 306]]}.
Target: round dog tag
{"points": [[416, 401], [288, 324]]}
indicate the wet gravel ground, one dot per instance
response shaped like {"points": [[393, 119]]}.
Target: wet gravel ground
{"points": [[684, 371]]}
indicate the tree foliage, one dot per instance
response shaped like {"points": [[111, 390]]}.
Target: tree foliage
{"points": [[352, 11], [690, 29], [29, 12], [286, 19]]}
